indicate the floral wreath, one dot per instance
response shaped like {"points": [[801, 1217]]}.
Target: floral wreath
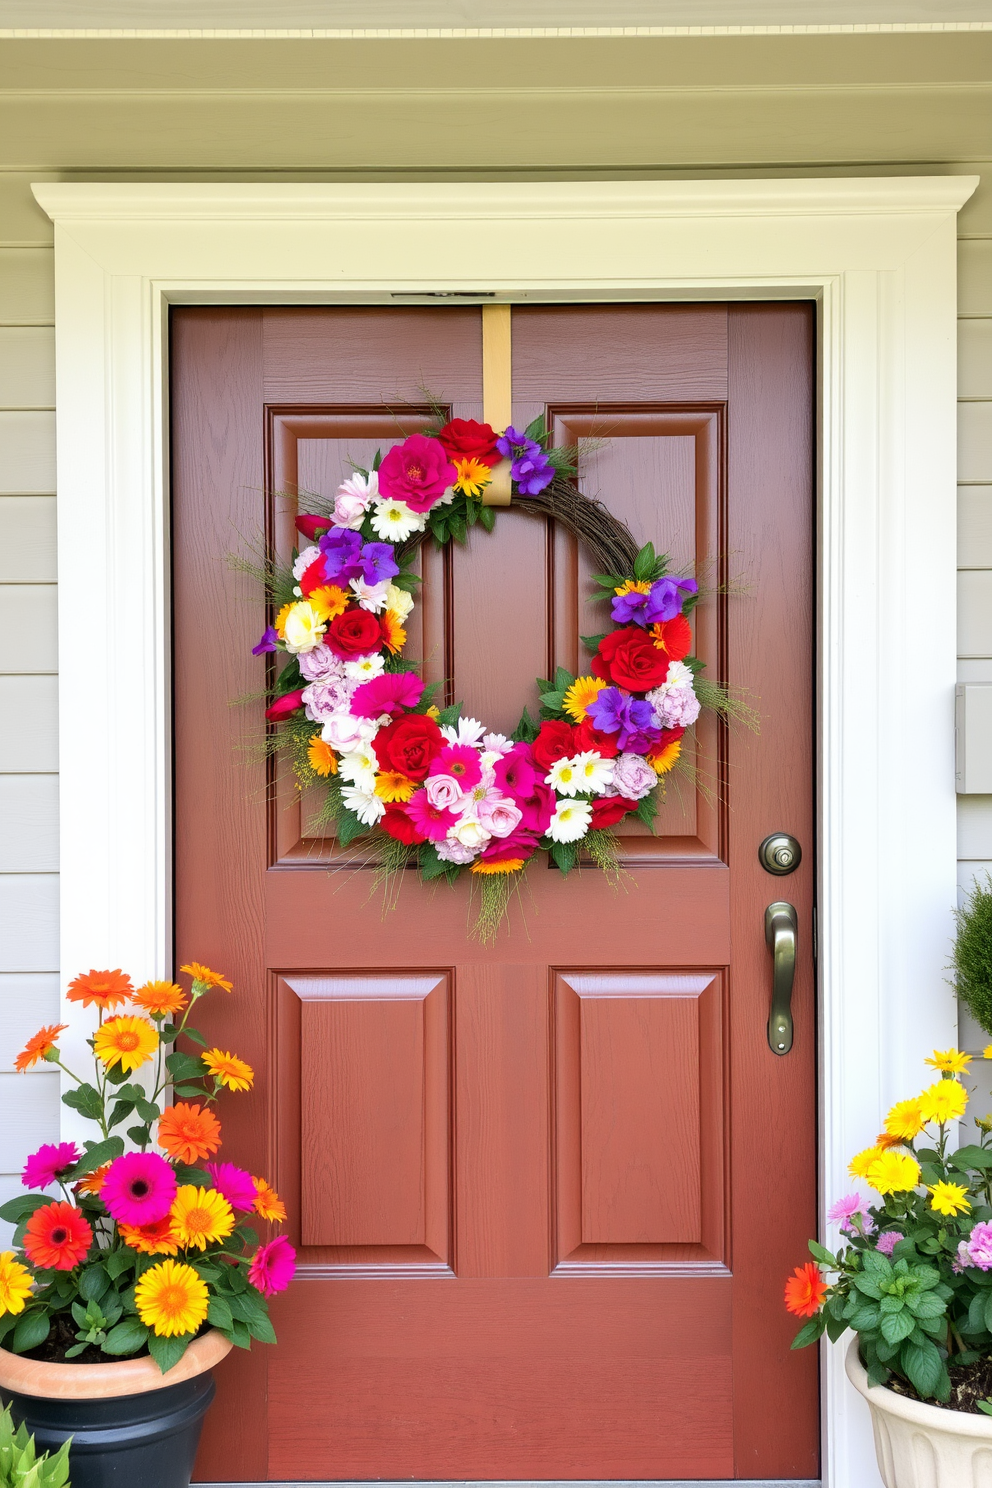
{"points": [[424, 784]]}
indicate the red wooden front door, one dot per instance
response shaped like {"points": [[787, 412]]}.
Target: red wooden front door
{"points": [[545, 1194]]}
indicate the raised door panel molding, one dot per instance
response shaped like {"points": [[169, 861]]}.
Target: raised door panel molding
{"points": [[640, 1145], [363, 1075]]}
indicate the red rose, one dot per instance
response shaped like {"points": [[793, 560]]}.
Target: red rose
{"points": [[554, 742], [283, 706], [314, 527], [355, 633], [607, 811], [674, 637], [409, 745], [629, 658], [314, 576], [587, 736], [464, 439], [396, 823]]}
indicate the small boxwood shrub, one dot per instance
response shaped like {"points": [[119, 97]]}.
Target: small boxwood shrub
{"points": [[971, 961]]}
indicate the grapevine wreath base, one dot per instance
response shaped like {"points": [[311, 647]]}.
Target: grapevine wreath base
{"points": [[423, 785]]}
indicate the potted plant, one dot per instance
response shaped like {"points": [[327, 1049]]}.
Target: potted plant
{"points": [[912, 1279], [125, 1289], [20, 1465]]}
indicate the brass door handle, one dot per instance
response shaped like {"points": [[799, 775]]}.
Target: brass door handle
{"points": [[782, 936]]}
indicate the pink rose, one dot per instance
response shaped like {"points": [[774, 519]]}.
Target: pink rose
{"points": [[499, 815], [320, 664], [536, 813], [633, 777], [445, 792], [353, 500], [321, 699], [418, 472], [345, 733], [519, 844]]}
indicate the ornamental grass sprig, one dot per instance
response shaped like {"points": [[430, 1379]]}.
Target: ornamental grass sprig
{"points": [[913, 1275], [143, 1248]]}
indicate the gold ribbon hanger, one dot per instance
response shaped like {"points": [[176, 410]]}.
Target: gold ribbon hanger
{"points": [[497, 393]]}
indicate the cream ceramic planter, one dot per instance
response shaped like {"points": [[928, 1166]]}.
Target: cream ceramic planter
{"points": [[923, 1446], [35, 1377]]}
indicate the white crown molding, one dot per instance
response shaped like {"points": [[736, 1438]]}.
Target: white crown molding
{"points": [[478, 33], [879, 257]]}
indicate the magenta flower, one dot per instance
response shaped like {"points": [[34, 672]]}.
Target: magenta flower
{"points": [[418, 472], [49, 1163], [139, 1188], [273, 1266], [461, 762], [391, 693], [516, 773], [846, 1210], [431, 822], [237, 1186], [977, 1249], [887, 1242]]}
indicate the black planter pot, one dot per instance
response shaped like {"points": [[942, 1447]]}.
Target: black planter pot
{"points": [[125, 1441]]}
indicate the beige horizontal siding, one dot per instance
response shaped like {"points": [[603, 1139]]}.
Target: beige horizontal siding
{"points": [[28, 1001], [29, 923], [975, 358], [27, 367], [32, 1108], [27, 439], [29, 715], [975, 273], [28, 628], [975, 441], [29, 810], [27, 540], [975, 526]]}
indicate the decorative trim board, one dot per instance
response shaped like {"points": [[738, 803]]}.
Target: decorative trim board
{"points": [[879, 258], [539, 1483]]}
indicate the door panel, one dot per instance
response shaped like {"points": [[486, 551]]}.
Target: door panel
{"points": [[545, 1193]]}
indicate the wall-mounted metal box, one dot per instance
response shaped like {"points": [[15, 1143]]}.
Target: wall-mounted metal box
{"points": [[973, 738]]}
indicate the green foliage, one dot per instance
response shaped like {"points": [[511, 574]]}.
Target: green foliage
{"points": [[971, 960], [20, 1465]]}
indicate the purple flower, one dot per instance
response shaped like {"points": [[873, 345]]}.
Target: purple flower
{"points": [[633, 777], [847, 1211], [377, 563], [616, 712], [44, 1166], [531, 469], [977, 1249], [342, 551], [630, 607], [269, 641], [320, 664], [667, 597], [888, 1240]]}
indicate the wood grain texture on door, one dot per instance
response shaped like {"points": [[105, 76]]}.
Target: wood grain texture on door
{"points": [[545, 1193]]}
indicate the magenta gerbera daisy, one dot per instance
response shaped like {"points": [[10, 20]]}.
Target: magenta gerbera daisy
{"points": [[49, 1163], [431, 822], [139, 1188], [273, 1266], [461, 762], [237, 1186]]}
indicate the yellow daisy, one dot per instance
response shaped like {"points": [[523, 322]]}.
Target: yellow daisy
{"points": [[943, 1101], [15, 1283], [323, 760], [390, 785], [127, 1041], [329, 601], [231, 1071], [951, 1061], [665, 758], [473, 476], [200, 1216], [893, 1172], [583, 691], [987, 1052], [905, 1120], [633, 586], [280, 620], [949, 1198], [171, 1299], [862, 1161], [203, 976]]}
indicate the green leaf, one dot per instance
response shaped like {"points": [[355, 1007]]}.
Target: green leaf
{"points": [[929, 1305], [93, 1282], [86, 1099], [972, 1157], [219, 1314], [121, 1111], [185, 1066], [148, 1110], [526, 730], [348, 827], [591, 643], [98, 1154], [431, 866], [195, 1036], [16, 1210], [552, 700], [487, 516], [246, 1234], [33, 1328], [168, 1351], [127, 1337], [185, 1090], [876, 1264], [564, 855], [139, 1135], [867, 1284], [535, 429], [644, 562], [988, 1309], [238, 1333], [116, 1074], [923, 1367], [897, 1325], [836, 1327], [810, 1332], [448, 717], [820, 1253], [261, 1329], [647, 809]]}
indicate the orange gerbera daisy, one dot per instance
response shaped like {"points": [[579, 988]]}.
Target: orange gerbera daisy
{"points": [[188, 1133], [206, 977], [159, 998], [102, 989], [329, 601], [231, 1071], [268, 1204], [93, 1182], [805, 1290], [393, 631], [151, 1239], [57, 1237], [507, 865], [322, 758], [38, 1046], [665, 757]]}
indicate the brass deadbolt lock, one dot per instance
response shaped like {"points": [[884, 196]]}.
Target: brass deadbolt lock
{"points": [[780, 854]]}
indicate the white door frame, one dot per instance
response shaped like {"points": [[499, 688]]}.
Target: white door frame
{"points": [[878, 255]]}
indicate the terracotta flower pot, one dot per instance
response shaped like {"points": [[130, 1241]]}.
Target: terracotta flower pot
{"points": [[923, 1446], [130, 1424]]}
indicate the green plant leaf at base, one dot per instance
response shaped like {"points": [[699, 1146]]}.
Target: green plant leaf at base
{"points": [[168, 1351], [33, 1328], [126, 1338]]}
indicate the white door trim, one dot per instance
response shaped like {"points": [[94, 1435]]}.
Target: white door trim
{"points": [[878, 256]]}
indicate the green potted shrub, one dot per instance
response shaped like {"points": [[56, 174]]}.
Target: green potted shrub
{"points": [[20, 1465]]}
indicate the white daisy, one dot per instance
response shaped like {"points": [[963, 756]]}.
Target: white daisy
{"points": [[393, 521], [364, 668], [594, 772], [360, 767], [564, 777], [570, 821], [365, 804], [370, 596], [465, 731]]}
